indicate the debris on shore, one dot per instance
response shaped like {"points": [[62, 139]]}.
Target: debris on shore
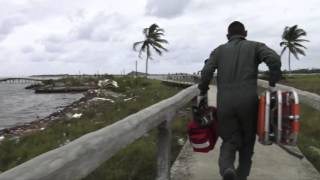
{"points": [[101, 99], [77, 115], [91, 97], [108, 83], [65, 87], [129, 99]]}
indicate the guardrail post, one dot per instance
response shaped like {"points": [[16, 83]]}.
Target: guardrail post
{"points": [[164, 148]]}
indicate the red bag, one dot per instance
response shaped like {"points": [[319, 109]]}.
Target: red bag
{"points": [[203, 137]]}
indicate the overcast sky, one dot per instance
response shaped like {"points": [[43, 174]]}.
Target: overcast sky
{"points": [[96, 36]]}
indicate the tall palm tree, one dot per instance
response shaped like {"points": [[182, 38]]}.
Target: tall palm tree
{"points": [[292, 39], [153, 39]]}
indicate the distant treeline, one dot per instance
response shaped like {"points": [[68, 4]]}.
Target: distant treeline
{"points": [[297, 71], [68, 75], [49, 75]]}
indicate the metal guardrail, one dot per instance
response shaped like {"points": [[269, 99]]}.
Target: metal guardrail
{"points": [[83, 155], [308, 98]]}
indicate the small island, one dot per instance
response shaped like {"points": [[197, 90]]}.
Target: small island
{"points": [[72, 84]]}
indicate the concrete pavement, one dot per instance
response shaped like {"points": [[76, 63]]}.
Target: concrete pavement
{"points": [[269, 163]]}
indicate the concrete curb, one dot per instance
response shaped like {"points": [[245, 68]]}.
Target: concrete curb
{"points": [[180, 169]]}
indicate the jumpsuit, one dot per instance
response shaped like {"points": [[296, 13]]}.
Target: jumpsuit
{"points": [[237, 100]]}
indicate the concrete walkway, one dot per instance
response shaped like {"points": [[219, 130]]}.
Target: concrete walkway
{"points": [[269, 163]]}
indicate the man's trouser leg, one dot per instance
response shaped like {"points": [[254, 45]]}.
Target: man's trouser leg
{"points": [[245, 162], [228, 151], [229, 131], [247, 112]]}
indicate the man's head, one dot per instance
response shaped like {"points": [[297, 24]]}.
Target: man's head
{"points": [[236, 28]]}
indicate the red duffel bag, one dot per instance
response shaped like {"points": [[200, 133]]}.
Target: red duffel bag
{"points": [[202, 130]]}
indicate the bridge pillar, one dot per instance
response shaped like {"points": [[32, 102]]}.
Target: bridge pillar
{"points": [[164, 148]]}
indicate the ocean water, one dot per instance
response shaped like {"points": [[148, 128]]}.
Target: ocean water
{"points": [[18, 105]]}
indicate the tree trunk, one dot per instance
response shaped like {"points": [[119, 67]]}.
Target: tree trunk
{"points": [[136, 68], [147, 59], [289, 64]]}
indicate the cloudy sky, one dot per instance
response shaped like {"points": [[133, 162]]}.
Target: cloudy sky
{"points": [[96, 36]]}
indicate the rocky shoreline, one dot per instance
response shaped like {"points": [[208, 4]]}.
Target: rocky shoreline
{"points": [[40, 124], [68, 112], [62, 88], [73, 89]]}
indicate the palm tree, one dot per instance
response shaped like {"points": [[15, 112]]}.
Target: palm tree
{"points": [[153, 39], [292, 39]]}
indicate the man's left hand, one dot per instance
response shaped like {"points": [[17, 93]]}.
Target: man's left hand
{"points": [[201, 99], [272, 88]]}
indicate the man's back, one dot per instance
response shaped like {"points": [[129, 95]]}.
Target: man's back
{"points": [[237, 62], [237, 101]]}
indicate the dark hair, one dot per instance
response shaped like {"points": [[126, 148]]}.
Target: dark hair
{"points": [[236, 28]]}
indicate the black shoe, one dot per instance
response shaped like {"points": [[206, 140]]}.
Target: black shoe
{"points": [[229, 174], [241, 178]]}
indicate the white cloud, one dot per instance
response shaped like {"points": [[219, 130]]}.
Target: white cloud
{"points": [[166, 8], [7, 25], [102, 27], [27, 49], [45, 36]]}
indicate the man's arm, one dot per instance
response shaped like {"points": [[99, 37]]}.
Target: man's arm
{"points": [[273, 61], [207, 72]]}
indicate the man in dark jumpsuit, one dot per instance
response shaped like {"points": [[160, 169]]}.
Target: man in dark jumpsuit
{"points": [[237, 100]]}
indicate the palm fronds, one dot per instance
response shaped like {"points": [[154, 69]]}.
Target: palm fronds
{"points": [[291, 40], [153, 39]]}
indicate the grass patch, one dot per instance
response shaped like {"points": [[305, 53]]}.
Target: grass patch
{"points": [[309, 138], [309, 83], [137, 161]]}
